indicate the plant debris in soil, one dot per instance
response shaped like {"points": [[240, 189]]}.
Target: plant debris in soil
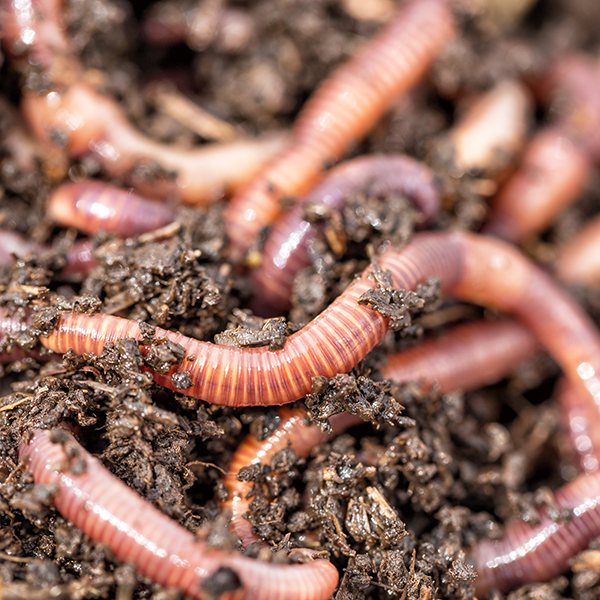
{"points": [[395, 503]]}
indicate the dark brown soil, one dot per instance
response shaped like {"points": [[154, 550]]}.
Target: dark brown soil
{"points": [[451, 467]]}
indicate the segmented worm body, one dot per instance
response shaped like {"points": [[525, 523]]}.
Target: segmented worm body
{"points": [[286, 250], [527, 554], [474, 268], [341, 111], [91, 206], [111, 513], [93, 124], [466, 357]]}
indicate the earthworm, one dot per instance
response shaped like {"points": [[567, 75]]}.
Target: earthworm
{"points": [[286, 249], [578, 261], [291, 430], [492, 130], [558, 161], [342, 110], [553, 172], [93, 124], [79, 256], [471, 267], [528, 554], [91, 206], [466, 357], [581, 421], [111, 513]]}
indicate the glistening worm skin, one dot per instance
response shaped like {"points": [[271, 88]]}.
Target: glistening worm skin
{"points": [[474, 268], [111, 513], [286, 249], [578, 261], [91, 206], [581, 422], [466, 357], [527, 554], [341, 111], [93, 124]]}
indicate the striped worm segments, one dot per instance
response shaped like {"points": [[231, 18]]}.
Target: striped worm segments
{"points": [[111, 513], [341, 111], [475, 268]]}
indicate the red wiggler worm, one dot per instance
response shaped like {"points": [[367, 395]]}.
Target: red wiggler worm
{"points": [[79, 256], [292, 430], [93, 124], [466, 357], [471, 267], [559, 159], [91, 206], [111, 513], [581, 422], [342, 110], [286, 248], [537, 553], [552, 174]]}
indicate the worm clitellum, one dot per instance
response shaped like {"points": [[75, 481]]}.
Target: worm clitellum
{"points": [[92, 206], [111, 513], [94, 124], [474, 268], [286, 249], [466, 357], [341, 111]]}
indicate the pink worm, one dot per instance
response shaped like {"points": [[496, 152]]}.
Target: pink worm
{"points": [[286, 250], [79, 257], [96, 125], [92, 206], [466, 357], [528, 554], [111, 513], [475, 268], [341, 111], [559, 159]]}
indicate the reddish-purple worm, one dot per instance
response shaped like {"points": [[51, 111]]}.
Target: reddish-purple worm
{"points": [[286, 249], [341, 111], [466, 357], [475, 268], [91, 206], [111, 513]]}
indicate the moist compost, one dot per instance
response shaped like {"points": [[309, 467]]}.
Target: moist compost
{"points": [[396, 503]]}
